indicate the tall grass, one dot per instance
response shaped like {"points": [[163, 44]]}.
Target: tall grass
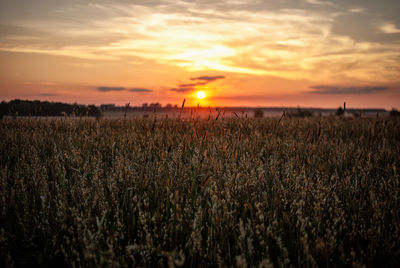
{"points": [[226, 192]]}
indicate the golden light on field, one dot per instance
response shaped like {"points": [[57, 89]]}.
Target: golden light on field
{"points": [[200, 94]]}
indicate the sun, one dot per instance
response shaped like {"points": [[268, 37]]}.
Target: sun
{"points": [[200, 94]]}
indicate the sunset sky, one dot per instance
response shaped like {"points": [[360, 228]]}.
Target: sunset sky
{"points": [[312, 53]]}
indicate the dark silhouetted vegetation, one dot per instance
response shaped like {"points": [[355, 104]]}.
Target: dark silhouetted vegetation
{"points": [[45, 108], [299, 113], [339, 111], [258, 113], [394, 112]]}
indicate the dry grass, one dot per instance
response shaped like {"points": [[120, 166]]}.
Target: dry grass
{"points": [[294, 192]]}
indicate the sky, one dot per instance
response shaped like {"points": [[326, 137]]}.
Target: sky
{"points": [[308, 53]]}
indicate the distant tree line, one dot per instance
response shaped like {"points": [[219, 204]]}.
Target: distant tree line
{"points": [[394, 112], [299, 112], [158, 105], [45, 108], [144, 106]]}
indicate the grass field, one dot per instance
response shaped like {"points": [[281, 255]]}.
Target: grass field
{"points": [[229, 192]]}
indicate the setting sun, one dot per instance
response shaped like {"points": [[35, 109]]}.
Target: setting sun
{"points": [[201, 95], [110, 53]]}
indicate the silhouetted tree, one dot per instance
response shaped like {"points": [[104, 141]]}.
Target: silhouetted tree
{"points": [[339, 111], [3, 109], [394, 112], [155, 105], [258, 113], [94, 111]]}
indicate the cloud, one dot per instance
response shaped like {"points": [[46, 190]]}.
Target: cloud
{"points": [[389, 28], [182, 89], [193, 84], [135, 89], [338, 90], [140, 90], [199, 81], [317, 2], [107, 89], [208, 78], [279, 38], [48, 95]]}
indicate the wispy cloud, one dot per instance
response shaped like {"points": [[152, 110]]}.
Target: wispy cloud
{"points": [[279, 38], [193, 84], [48, 95], [140, 90], [208, 78], [107, 89], [182, 89], [318, 2], [135, 89], [338, 90], [199, 81], [389, 28]]}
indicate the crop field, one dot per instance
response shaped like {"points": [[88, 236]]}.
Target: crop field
{"points": [[268, 192]]}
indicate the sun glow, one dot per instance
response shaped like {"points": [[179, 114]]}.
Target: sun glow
{"points": [[200, 94]]}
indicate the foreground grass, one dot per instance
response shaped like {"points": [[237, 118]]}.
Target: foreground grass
{"points": [[314, 191]]}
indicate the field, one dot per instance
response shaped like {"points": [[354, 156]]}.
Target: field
{"points": [[228, 192]]}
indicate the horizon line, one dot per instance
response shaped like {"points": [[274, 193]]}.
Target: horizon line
{"points": [[207, 107]]}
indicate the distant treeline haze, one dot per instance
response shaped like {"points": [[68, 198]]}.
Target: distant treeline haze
{"points": [[45, 108]]}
